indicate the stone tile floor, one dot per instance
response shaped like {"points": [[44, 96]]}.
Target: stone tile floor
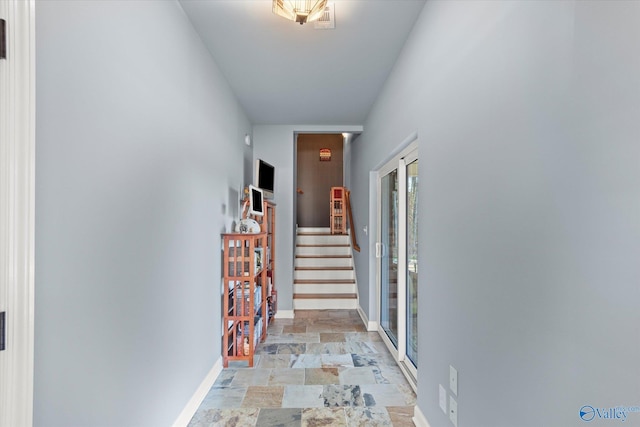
{"points": [[320, 369]]}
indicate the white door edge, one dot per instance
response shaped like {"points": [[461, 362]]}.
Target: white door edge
{"points": [[17, 213]]}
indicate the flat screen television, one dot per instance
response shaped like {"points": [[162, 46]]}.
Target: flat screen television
{"points": [[265, 178]]}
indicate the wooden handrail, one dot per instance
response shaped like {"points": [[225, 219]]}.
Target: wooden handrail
{"points": [[354, 242]]}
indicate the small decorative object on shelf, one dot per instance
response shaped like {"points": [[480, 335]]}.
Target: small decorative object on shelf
{"points": [[246, 346]]}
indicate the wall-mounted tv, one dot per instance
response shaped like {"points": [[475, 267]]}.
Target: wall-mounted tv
{"points": [[265, 178]]}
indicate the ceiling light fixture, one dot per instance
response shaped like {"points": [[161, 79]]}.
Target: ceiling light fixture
{"points": [[300, 11]]}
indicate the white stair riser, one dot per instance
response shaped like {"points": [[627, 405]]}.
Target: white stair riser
{"points": [[322, 288], [314, 230], [324, 304], [322, 240], [323, 262], [323, 250], [323, 275]]}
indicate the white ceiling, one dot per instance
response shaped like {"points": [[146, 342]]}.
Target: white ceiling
{"points": [[286, 73]]}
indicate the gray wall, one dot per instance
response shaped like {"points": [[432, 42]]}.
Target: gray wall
{"points": [[275, 145], [527, 120], [139, 148]]}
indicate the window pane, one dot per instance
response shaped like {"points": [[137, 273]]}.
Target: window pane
{"points": [[389, 273], [412, 262]]}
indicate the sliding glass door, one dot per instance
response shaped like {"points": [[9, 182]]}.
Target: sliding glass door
{"points": [[388, 252], [412, 261], [397, 252]]}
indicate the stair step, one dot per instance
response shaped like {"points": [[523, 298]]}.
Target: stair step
{"points": [[324, 262], [325, 304], [324, 273], [324, 296], [322, 239], [324, 288], [314, 250], [324, 281], [314, 234], [322, 234], [321, 246], [314, 230], [323, 256]]}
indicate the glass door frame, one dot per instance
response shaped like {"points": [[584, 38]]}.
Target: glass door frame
{"points": [[403, 281], [399, 163], [383, 255]]}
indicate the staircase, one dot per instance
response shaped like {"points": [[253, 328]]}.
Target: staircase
{"points": [[324, 277]]}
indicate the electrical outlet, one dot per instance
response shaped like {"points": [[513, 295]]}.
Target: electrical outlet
{"points": [[453, 411], [453, 380], [443, 398]]}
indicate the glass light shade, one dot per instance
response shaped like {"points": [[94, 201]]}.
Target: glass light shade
{"points": [[300, 11]]}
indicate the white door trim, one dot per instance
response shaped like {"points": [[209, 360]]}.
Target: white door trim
{"points": [[17, 213]]}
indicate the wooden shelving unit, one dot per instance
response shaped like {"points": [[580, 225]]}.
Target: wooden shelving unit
{"points": [[268, 225], [250, 296], [337, 210]]}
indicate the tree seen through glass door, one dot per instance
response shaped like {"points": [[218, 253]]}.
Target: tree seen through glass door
{"points": [[389, 273], [412, 262]]}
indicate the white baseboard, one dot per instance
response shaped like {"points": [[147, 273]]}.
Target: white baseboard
{"points": [[372, 326], [194, 403], [418, 418], [284, 314]]}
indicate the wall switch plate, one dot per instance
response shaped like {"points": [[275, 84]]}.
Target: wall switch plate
{"points": [[453, 380], [453, 411], [443, 398]]}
